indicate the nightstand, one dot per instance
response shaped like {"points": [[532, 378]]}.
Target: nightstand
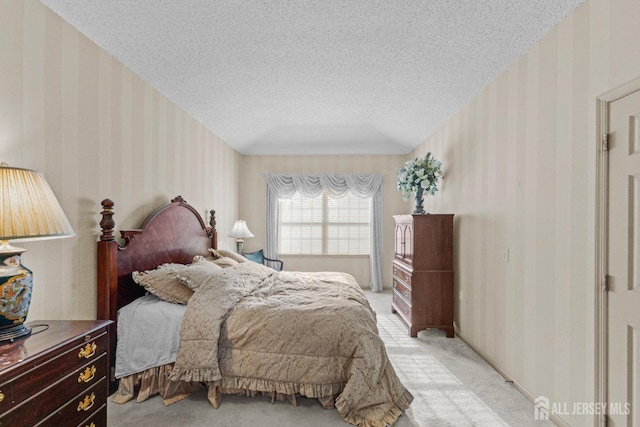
{"points": [[58, 375]]}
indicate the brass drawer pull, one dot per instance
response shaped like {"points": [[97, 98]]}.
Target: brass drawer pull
{"points": [[88, 351], [87, 403], [87, 375], [1, 397], [91, 425]]}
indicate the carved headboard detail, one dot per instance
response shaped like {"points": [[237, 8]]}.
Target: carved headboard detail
{"points": [[173, 233]]}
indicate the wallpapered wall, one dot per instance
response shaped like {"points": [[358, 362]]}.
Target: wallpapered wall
{"points": [[519, 162], [253, 188], [520, 165], [96, 130]]}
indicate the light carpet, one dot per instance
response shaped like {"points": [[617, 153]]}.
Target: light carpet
{"points": [[451, 385]]}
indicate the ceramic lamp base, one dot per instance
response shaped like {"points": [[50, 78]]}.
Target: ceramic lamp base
{"points": [[15, 293], [240, 246]]}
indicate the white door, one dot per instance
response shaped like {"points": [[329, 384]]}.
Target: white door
{"points": [[623, 406]]}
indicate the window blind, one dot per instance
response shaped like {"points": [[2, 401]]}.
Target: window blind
{"points": [[324, 225]]}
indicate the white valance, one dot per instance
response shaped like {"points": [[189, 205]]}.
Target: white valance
{"points": [[361, 185]]}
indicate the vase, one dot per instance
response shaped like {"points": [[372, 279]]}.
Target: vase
{"points": [[418, 199]]}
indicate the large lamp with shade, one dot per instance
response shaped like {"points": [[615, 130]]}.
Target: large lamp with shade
{"points": [[240, 232], [28, 211]]}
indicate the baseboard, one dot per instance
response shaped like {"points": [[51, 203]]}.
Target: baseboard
{"points": [[530, 397]]}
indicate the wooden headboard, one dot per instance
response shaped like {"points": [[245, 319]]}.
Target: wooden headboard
{"points": [[173, 233]]}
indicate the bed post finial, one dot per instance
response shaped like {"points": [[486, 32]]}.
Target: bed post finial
{"points": [[107, 224], [211, 230], [212, 219]]}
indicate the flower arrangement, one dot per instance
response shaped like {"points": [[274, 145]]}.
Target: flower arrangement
{"points": [[418, 176]]}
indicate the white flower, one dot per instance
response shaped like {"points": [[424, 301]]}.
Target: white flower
{"points": [[419, 174]]}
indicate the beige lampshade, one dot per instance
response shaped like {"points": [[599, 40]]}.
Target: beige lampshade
{"points": [[28, 208], [240, 230]]}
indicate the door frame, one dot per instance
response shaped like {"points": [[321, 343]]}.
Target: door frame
{"points": [[601, 235]]}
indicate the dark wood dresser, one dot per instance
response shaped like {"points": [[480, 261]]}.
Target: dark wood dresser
{"points": [[423, 272], [58, 376]]}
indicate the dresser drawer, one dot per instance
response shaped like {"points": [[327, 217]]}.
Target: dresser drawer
{"points": [[46, 371], [50, 398], [82, 352], [80, 408], [401, 289], [402, 275], [401, 305], [99, 419]]}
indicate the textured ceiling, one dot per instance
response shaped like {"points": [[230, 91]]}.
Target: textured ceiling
{"points": [[317, 76]]}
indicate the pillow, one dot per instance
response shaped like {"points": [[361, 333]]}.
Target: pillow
{"points": [[163, 283], [223, 262], [221, 253], [257, 256], [197, 272]]}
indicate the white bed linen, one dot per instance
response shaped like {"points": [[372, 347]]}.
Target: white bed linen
{"points": [[148, 334]]}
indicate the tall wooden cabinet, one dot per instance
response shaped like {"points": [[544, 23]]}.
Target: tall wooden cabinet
{"points": [[423, 272]]}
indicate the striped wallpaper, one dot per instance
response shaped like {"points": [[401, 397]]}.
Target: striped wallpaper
{"points": [[519, 162], [520, 176], [96, 130]]}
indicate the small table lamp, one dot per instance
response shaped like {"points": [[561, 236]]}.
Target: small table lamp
{"points": [[240, 232], [28, 211]]}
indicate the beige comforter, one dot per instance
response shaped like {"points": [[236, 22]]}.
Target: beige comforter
{"points": [[314, 334]]}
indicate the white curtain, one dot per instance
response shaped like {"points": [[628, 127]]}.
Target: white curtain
{"points": [[360, 185]]}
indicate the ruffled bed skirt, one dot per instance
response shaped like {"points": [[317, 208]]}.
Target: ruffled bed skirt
{"points": [[154, 381]]}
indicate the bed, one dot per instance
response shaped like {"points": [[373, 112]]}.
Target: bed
{"points": [[242, 328]]}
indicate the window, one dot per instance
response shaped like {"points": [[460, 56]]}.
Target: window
{"points": [[324, 225]]}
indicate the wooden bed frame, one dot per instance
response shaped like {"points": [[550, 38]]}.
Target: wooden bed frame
{"points": [[174, 233]]}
